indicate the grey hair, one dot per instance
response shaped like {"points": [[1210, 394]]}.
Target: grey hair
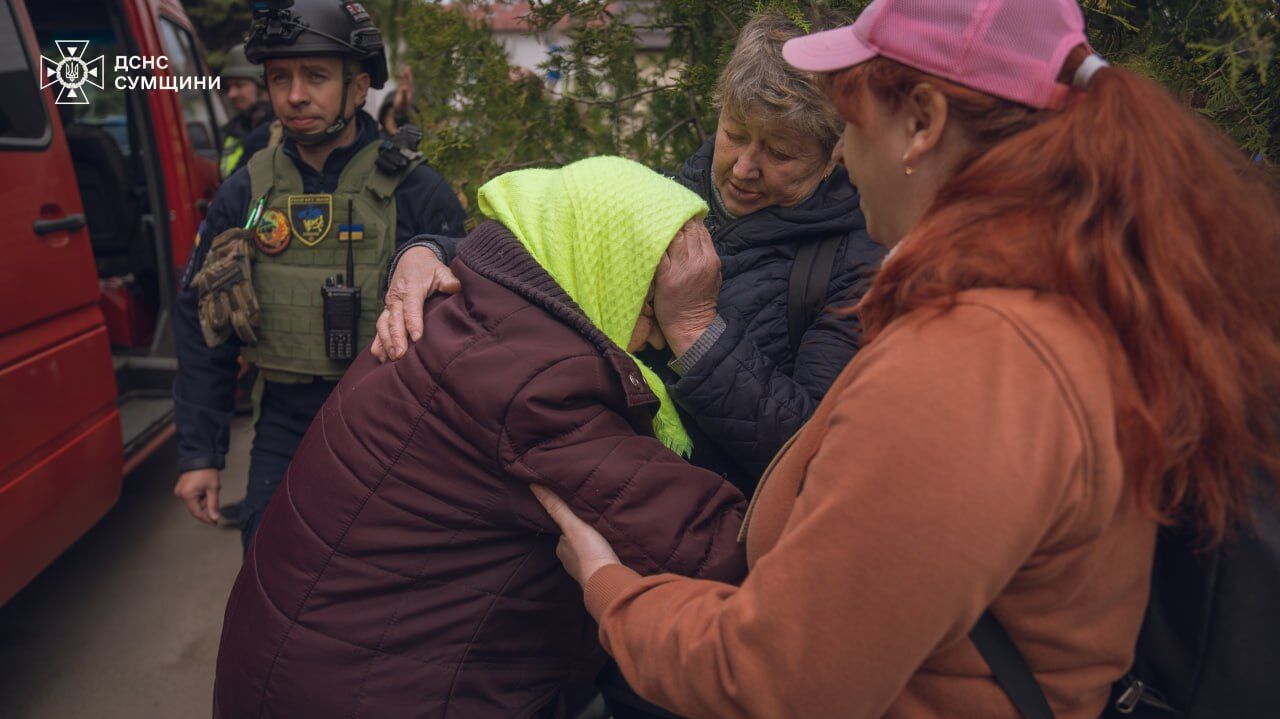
{"points": [[758, 82]]}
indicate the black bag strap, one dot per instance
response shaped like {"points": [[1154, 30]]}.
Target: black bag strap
{"points": [[1010, 669], [807, 286]]}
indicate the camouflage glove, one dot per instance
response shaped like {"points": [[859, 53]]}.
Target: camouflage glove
{"points": [[225, 287]]}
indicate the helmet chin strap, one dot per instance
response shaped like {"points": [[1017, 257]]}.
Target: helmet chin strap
{"points": [[340, 124]]}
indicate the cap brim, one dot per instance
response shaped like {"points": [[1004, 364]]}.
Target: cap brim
{"points": [[827, 50]]}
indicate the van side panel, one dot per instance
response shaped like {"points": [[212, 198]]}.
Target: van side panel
{"points": [[60, 471], [60, 434], [49, 507], [69, 374]]}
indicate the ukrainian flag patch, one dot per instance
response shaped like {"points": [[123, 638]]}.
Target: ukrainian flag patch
{"points": [[350, 233]]}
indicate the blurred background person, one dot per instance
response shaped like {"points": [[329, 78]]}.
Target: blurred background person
{"points": [[395, 109], [250, 128]]}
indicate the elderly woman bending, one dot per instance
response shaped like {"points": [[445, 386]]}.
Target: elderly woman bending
{"points": [[403, 568]]}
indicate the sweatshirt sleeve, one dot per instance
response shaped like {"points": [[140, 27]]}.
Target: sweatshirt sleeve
{"points": [[565, 431], [966, 452]]}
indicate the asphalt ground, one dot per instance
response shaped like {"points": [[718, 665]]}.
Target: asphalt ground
{"points": [[126, 623]]}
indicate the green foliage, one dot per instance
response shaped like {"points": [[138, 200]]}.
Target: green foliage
{"points": [[220, 23], [1218, 56], [479, 120], [619, 96], [386, 13]]}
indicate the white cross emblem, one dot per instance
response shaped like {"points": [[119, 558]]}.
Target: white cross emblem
{"points": [[72, 72]]}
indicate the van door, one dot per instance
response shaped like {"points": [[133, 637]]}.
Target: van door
{"points": [[60, 456], [203, 115], [187, 140]]}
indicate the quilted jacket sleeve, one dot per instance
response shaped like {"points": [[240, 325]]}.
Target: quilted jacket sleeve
{"points": [[566, 430], [748, 403]]}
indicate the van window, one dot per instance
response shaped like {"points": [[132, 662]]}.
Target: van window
{"points": [[23, 122], [106, 108], [197, 106]]}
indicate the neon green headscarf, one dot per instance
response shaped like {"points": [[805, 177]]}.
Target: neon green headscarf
{"points": [[599, 227]]}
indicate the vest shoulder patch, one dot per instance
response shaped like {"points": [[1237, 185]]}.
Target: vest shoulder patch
{"points": [[272, 233], [310, 217]]}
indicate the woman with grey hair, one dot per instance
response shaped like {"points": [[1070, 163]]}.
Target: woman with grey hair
{"points": [[756, 326]]}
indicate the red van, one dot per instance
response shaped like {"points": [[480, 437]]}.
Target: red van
{"points": [[100, 206]]}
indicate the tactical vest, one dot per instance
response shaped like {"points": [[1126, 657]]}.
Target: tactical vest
{"points": [[291, 334]]}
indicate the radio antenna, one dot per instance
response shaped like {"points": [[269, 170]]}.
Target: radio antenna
{"points": [[351, 240]]}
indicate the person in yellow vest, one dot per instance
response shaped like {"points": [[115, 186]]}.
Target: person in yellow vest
{"points": [[269, 279], [251, 129]]}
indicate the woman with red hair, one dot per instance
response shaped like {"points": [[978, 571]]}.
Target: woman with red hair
{"points": [[1073, 340]]}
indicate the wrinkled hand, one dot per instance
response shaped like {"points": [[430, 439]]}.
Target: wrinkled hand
{"points": [[582, 549], [199, 489], [419, 275], [687, 286]]}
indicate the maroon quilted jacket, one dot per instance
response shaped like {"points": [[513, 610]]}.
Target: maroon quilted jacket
{"points": [[405, 570]]}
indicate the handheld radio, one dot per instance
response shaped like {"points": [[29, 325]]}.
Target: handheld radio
{"points": [[342, 305]]}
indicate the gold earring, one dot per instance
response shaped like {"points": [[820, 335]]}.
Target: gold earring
{"points": [[909, 170]]}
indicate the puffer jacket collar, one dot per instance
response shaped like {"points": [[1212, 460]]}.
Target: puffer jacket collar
{"points": [[830, 210], [494, 253]]}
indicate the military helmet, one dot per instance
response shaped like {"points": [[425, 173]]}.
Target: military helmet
{"points": [[237, 65], [302, 28]]}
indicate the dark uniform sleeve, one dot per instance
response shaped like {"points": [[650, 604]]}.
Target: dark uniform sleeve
{"points": [[448, 246], [426, 205], [746, 402], [204, 389]]}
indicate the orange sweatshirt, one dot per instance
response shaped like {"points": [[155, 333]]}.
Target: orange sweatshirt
{"points": [[963, 460]]}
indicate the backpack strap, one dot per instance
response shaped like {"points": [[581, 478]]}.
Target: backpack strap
{"points": [[807, 286], [1009, 667]]}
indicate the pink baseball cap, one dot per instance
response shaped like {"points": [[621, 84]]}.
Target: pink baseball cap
{"points": [[1013, 49]]}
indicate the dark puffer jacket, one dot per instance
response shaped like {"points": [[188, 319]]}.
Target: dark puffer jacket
{"points": [[405, 570], [749, 393]]}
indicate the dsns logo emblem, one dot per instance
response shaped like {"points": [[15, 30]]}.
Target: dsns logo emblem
{"points": [[72, 72]]}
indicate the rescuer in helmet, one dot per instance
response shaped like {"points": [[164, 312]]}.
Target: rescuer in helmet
{"points": [[288, 269]]}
